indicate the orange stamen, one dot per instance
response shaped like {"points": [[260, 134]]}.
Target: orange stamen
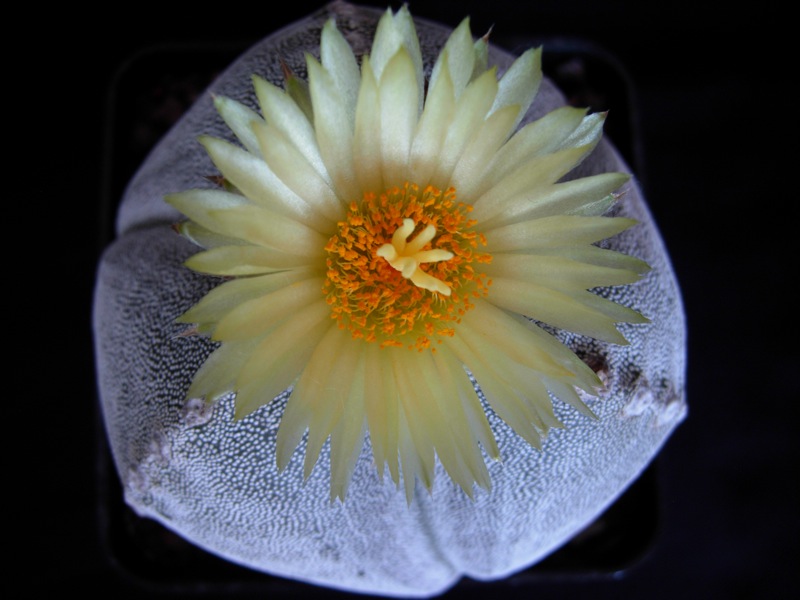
{"points": [[372, 299]]}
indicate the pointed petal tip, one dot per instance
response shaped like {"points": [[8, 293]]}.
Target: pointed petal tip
{"points": [[282, 458], [286, 70], [588, 411], [258, 79]]}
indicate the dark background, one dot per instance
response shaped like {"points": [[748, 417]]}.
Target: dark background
{"points": [[707, 123]]}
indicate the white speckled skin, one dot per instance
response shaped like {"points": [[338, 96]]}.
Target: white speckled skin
{"points": [[214, 480]]}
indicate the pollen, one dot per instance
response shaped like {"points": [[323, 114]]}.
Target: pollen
{"points": [[404, 266]]}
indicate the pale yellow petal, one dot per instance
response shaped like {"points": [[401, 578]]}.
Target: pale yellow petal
{"points": [[347, 437], [280, 357], [554, 232], [270, 230], [466, 460], [297, 90], [239, 118], [218, 374], [494, 131], [255, 317], [281, 111], [566, 393], [387, 41], [338, 59], [395, 32], [615, 311], [519, 83], [514, 390], [199, 204], [530, 387], [556, 272], [518, 182], [398, 118], [307, 394], [381, 407], [526, 183], [481, 51], [588, 132], [328, 395], [562, 198], [421, 402], [432, 127], [241, 261], [328, 400], [554, 308], [298, 175], [205, 238], [601, 257], [367, 136], [509, 337], [411, 462], [501, 397], [227, 296], [457, 58], [470, 111], [410, 400], [542, 136], [478, 424], [334, 130], [253, 177]]}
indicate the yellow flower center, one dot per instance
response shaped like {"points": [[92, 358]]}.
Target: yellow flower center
{"points": [[401, 267], [406, 255]]}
